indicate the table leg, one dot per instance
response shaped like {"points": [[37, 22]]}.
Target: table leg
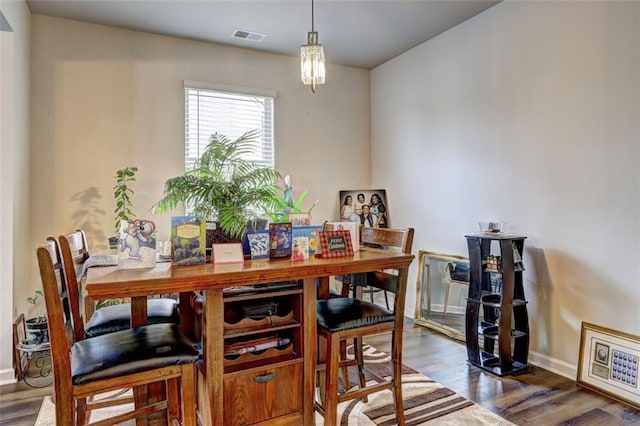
{"points": [[153, 392], [187, 315], [310, 346], [323, 288], [138, 311], [212, 354]]}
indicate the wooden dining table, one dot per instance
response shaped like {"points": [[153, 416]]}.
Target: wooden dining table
{"points": [[212, 279]]}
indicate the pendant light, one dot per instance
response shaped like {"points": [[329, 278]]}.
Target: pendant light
{"points": [[312, 59]]}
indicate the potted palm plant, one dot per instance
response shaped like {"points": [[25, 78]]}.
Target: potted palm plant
{"points": [[224, 187]]}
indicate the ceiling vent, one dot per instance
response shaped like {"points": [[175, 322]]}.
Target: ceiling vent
{"points": [[248, 35]]}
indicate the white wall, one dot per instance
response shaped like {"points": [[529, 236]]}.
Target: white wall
{"points": [[14, 161], [528, 113], [104, 98]]}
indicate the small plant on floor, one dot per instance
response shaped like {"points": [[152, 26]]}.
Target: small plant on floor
{"points": [[38, 326]]}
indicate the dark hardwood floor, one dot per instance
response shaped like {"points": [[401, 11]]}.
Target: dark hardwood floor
{"points": [[536, 398]]}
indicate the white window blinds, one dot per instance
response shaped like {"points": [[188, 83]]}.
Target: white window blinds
{"points": [[209, 111]]}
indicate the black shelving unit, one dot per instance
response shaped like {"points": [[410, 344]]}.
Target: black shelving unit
{"points": [[499, 341]]}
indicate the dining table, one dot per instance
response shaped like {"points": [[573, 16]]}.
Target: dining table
{"points": [[213, 282]]}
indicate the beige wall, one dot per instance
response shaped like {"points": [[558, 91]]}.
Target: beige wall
{"points": [[527, 113], [14, 171], [104, 98]]}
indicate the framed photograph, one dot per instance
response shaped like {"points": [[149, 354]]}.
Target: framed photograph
{"points": [[365, 206], [300, 219], [609, 363], [335, 244]]}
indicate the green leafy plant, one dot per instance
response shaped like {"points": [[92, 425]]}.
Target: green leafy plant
{"points": [[287, 204], [34, 301], [108, 302], [224, 186], [123, 194], [37, 331]]}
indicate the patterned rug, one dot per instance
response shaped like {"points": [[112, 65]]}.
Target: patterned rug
{"points": [[426, 402]]}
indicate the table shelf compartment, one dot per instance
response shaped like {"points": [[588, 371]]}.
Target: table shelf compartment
{"points": [[274, 386], [250, 325], [260, 359]]}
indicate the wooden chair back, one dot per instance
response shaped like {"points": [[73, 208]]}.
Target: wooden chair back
{"points": [[341, 319], [397, 240], [75, 252], [59, 315], [75, 401]]}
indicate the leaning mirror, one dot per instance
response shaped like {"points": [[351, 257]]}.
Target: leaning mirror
{"points": [[443, 284]]}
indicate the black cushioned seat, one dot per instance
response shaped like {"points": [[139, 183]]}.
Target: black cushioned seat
{"points": [[118, 317], [344, 313], [130, 351]]}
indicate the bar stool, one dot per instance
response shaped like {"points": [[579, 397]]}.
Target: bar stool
{"points": [[341, 319], [114, 361]]}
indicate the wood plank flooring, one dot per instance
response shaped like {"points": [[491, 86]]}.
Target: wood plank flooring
{"points": [[536, 398]]}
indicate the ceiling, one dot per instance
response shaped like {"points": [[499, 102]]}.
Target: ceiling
{"points": [[357, 33]]}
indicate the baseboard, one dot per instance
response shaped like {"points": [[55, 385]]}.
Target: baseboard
{"points": [[562, 368], [554, 365], [7, 376]]}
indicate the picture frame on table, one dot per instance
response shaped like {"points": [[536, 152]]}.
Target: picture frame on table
{"points": [[335, 244], [609, 363], [351, 207], [300, 219], [227, 253]]}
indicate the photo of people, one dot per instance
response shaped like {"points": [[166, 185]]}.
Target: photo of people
{"points": [[366, 206]]}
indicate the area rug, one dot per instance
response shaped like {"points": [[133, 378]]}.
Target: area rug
{"points": [[426, 402]]}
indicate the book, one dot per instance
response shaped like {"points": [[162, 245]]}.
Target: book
{"points": [[188, 239], [311, 232], [280, 237], [258, 244], [137, 244], [352, 227], [300, 248], [253, 226]]}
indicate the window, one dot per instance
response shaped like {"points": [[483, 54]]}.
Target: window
{"points": [[231, 112]]}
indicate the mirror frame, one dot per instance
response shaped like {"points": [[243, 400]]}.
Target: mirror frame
{"points": [[424, 283]]}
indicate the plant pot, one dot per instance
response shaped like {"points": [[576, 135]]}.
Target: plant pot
{"points": [[37, 331], [217, 235]]}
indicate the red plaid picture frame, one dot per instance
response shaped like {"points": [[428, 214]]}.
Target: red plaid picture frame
{"points": [[335, 244]]}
